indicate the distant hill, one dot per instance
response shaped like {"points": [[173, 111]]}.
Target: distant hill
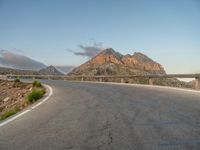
{"points": [[110, 62], [4, 70], [45, 71], [51, 70]]}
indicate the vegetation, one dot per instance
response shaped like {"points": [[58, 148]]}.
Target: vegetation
{"points": [[17, 80], [35, 94], [9, 112], [36, 84]]}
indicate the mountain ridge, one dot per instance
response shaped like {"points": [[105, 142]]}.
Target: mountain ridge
{"points": [[110, 62]]}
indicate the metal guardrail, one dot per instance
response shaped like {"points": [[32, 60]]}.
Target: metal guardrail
{"points": [[101, 77]]}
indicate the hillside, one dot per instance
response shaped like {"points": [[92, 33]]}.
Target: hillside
{"points": [[110, 62], [13, 94]]}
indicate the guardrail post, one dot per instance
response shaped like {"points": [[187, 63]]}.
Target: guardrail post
{"points": [[150, 81], [122, 80], [197, 83], [100, 79], [48, 78]]}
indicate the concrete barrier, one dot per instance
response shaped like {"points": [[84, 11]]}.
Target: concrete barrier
{"points": [[150, 81], [197, 83]]}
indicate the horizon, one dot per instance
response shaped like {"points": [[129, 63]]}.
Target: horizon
{"points": [[68, 33]]}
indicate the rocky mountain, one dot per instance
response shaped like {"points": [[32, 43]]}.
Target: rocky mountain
{"points": [[51, 70], [110, 62]]}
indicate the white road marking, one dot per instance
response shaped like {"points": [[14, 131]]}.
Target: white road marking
{"points": [[14, 117], [28, 110]]}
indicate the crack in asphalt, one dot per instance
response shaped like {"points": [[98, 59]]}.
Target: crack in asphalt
{"points": [[110, 137], [105, 127], [109, 141]]}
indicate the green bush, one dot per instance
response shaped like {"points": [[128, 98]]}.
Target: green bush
{"points": [[9, 112], [35, 95], [17, 80], [36, 84]]}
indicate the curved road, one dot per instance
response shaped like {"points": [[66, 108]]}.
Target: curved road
{"points": [[91, 116]]}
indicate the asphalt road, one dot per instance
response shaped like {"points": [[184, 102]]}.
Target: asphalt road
{"points": [[90, 116]]}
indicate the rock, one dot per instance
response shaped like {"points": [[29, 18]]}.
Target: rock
{"points": [[30, 89], [6, 99]]}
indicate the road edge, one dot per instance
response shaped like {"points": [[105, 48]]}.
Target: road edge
{"points": [[29, 108]]}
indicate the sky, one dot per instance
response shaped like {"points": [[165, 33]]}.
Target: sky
{"points": [[62, 32]]}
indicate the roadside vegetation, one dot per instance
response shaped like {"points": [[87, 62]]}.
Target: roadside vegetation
{"points": [[36, 84], [16, 80], [35, 94], [9, 112], [16, 95]]}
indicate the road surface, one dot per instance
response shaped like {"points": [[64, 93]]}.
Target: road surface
{"points": [[91, 116]]}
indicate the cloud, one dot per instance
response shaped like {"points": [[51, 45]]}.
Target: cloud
{"points": [[18, 61], [88, 51]]}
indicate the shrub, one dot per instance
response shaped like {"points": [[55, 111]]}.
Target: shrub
{"points": [[9, 112], [35, 95], [36, 84], [17, 80]]}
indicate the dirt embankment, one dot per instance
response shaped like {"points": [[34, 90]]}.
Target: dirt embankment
{"points": [[13, 94]]}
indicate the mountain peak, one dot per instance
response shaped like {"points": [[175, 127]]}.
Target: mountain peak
{"points": [[51, 67], [139, 54], [142, 57], [110, 51], [50, 70]]}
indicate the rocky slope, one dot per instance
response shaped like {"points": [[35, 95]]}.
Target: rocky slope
{"points": [[110, 62], [12, 94]]}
